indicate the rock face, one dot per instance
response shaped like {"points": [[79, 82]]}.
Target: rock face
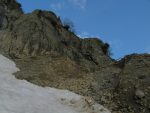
{"points": [[42, 33], [10, 10], [134, 82], [48, 54]]}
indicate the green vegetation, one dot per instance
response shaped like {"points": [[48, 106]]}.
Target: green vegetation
{"points": [[68, 25], [106, 49]]}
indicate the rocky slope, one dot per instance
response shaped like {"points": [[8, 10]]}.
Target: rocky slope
{"points": [[48, 54], [20, 96]]}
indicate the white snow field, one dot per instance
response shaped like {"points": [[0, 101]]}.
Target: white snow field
{"points": [[20, 96]]}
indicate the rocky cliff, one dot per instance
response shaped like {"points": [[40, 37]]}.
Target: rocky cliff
{"points": [[48, 54]]}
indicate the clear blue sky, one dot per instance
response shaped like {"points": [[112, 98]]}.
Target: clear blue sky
{"points": [[124, 24]]}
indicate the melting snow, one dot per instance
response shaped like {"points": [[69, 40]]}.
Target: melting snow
{"points": [[20, 96]]}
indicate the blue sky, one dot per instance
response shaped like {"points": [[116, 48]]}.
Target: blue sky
{"points": [[124, 24]]}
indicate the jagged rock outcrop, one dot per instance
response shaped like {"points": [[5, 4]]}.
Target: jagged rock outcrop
{"points": [[48, 54], [42, 33], [10, 10]]}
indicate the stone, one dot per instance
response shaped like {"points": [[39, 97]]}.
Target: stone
{"points": [[139, 94]]}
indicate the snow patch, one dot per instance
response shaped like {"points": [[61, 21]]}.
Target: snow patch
{"points": [[20, 96]]}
